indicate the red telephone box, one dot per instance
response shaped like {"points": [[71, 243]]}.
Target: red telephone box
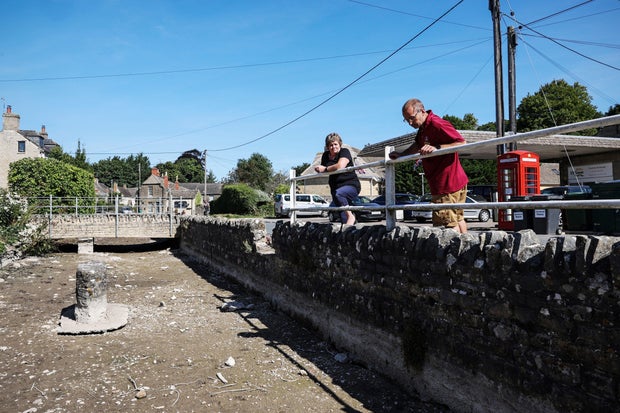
{"points": [[518, 175]]}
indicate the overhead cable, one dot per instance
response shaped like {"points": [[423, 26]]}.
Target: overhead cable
{"points": [[345, 87]]}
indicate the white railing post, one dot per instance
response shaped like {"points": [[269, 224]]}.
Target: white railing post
{"points": [[390, 191], [291, 192], [49, 223]]}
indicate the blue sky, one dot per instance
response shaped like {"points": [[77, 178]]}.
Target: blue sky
{"points": [[270, 77]]}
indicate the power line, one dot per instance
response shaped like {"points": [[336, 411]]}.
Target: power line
{"points": [[560, 12], [568, 72], [416, 15], [562, 45], [342, 89], [207, 69], [304, 99]]}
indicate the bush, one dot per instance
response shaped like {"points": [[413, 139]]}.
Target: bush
{"points": [[237, 199], [17, 233]]}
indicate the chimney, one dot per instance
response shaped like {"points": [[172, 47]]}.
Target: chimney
{"points": [[10, 121], [176, 183], [43, 132], [166, 183], [155, 171]]}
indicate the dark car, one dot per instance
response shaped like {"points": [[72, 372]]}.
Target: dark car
{"points": [[364, 215], [480, 214], [401, 199], [567, 189]]}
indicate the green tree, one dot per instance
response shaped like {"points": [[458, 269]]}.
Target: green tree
{"points": [[480, 171], [556, 103], [299, 169], [408, 178], [129, 171], [40, 177], [189, 167], [490, 126], [79, 159], [468, 122], [58, 154], [613, 110], [257, 172]]}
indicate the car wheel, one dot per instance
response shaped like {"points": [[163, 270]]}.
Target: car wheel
{"points": [[324, 214], [332, 217], [484, 215], [420, 219]]}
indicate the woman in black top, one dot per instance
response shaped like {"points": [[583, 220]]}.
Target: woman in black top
{"points": [[344, 186]]}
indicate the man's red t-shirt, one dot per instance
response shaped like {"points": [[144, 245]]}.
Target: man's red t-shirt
{"points": [[444, 173]]}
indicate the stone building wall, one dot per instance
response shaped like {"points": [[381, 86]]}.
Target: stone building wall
{"points": [[491, 321]]}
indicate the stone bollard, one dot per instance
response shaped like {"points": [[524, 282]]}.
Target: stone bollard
{"points": [[91, 285], [86, 245], [92, 314]]}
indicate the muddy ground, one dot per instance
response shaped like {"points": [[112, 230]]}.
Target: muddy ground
{"points": [[172, 355]]}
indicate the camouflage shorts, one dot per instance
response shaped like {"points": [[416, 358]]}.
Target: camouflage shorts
{"points": [[449, 217]]}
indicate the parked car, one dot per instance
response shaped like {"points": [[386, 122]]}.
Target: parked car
{"points": [[401, 199], [127, 210], [282, 204], [566, 189], [473, 213], [364, 215]]}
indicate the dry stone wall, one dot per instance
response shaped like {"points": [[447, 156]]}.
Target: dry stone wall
{"points": [[488, 321]]}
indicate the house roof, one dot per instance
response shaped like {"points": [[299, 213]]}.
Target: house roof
{"points": [[212, 188], [551, 148], [366, 173], [38, 139], [101, 190], [127, 192]]}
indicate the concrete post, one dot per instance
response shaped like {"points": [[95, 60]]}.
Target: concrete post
{"points": [[91, 292]]}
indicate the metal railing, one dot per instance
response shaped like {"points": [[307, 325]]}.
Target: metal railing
{"points": [[391, 206], [55, 205]]}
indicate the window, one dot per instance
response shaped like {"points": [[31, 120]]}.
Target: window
{"points": [[21, 146], [150, 191]]}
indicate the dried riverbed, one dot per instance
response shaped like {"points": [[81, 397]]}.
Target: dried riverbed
{"points": [[179, 351]]}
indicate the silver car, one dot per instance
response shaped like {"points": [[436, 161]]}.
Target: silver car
{"points": [[473, 213]]}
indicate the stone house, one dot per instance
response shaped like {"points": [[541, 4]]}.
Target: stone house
{"points": [[16, 144], [156, 196]]}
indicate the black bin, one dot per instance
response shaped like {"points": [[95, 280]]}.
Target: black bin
{"points": [[522, 218], [606, 221], [577, 219], [546, 221]]}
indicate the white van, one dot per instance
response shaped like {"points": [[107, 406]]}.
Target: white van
{"points": [[283, 203]]}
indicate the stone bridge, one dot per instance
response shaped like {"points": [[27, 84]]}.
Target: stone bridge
{"points": [[112, 225]]}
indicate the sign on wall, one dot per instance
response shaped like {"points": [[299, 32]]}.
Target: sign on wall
{"points": [[600, 172]]}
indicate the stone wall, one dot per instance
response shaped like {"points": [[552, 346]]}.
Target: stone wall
{"points": [[491, 321], [112, 225]]}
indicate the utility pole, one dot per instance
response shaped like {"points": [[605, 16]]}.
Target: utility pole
{"points": [[204, 155], [139, 185], [499, 81], [512, 82]]}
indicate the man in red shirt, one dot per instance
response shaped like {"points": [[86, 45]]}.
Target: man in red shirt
{"points": [[444, 173]]}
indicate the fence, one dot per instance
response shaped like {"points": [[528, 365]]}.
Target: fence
{"points": [[390, 194], [55, 205], [64, 211]]}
